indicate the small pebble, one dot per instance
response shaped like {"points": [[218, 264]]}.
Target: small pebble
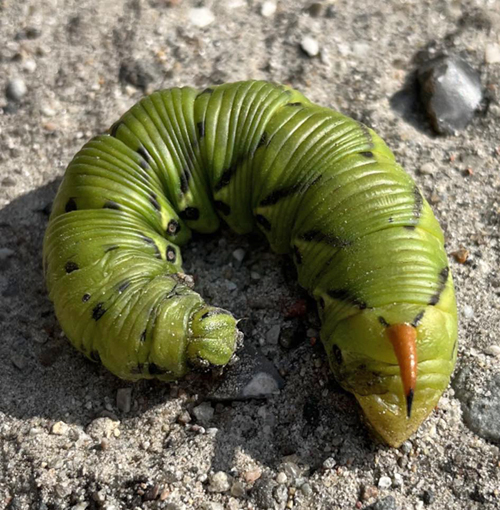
{"points": [[387, 503], [310, 46], [184, 418], [468, 311], [281, 478], [239, 254], [29, 66], [252, 475], [492, 53], [238, 489], [219, 482], [306, 489], [254, 275], [204, 412], [451, 92], [19, 361], [59, 428], [273, 335], [201, 16], [384, 482], [16, 89], [268, 9], [428, 497], [427, 169], [210, 505], [493, 350], [9, 181], [124, 399]]}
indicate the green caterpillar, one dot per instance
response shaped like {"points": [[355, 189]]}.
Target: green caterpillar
{"points": [[318, 184]]}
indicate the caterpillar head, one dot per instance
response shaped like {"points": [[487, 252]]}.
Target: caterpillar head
{"points": [[398, 375]]}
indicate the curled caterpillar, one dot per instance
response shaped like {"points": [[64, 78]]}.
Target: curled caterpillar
{"points": [[319, 185]]}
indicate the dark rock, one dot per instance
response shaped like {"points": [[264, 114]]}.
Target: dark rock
{"points": [[450, 90], [387, 503], [481, 413], [134, 73], [428, 497]]}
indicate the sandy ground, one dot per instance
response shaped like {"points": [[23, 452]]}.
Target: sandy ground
{"points": [[65, 441]]}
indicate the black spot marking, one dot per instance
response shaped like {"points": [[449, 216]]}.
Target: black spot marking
{"points": [[453, 349], [214, 311], [70, 205], [111, 248], [173, 227], [201, 129], [114, 128], [263, 222], [143, 336], [298, 255], [124, 285], [443, 278], [85, 298], [151, 242], [98, 311], [184, 177], [263, 140], [383, 322], [154, 369], [153, 198], [94, 356], [391, 220], [417, 318], [171, 254], [320, 237], [322, 303], [226, 177], [417, 208], [71, 266], [190, 213], [297, 103], [110, 204], [278, 194], [142, 151], [346, 296], [367, 154], [222, 207], [144, 164], [337, 353]]}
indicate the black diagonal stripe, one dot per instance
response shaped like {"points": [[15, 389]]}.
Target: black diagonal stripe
{"points": [[278, 194], [111, 204], [443, 278], [201, 129], [153, 198], [348, 297], [226, 176]]}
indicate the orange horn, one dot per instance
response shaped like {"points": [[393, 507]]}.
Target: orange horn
{"points": [[404, 341]]}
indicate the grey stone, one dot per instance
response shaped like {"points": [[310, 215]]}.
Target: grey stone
{"points": [[451, 92], [16, 89], [204, 412], [124, 399]]}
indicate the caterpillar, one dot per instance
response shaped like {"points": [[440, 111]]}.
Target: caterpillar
{"points": [[319, 185]]}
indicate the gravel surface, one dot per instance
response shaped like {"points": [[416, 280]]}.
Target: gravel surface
{"points": [[74, 436]]}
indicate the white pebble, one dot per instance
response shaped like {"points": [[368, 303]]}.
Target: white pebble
{"points": [[493, 350], [492, 53], [59, 428], [427, 169], [29, 66], [239, 254], [310, 46], [201, 16], [16, 89], [281, 478], [219, 482], [468, 312], [268, 9], [384, 482], [204, 412]]}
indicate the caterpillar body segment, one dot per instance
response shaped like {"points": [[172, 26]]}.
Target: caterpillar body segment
{"points": [[320, 186]]}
